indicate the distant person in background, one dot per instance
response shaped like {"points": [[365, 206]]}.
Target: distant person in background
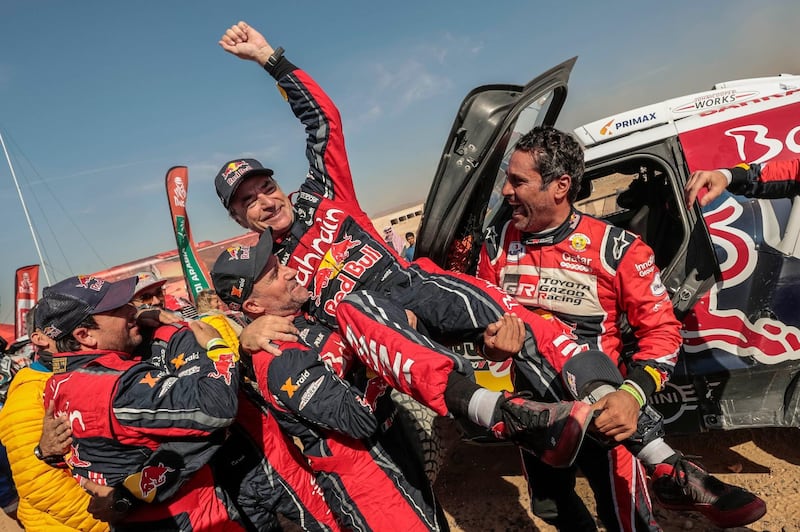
{"points": [[149, 291], [209, 304], [776, 179], [408, 252], [9, 500], [208, 301], [150, 295], [393, 240]]}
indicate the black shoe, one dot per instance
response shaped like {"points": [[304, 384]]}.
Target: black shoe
{"points": [[686, 486], [552, 431]]}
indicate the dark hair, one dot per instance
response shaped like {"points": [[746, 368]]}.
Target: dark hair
{"points": [[409, 234], [555, 153], [69, 344]]}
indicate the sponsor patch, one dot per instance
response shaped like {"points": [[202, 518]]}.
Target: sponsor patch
{"points": [[311, 390], [657, 287], [579, 242]]}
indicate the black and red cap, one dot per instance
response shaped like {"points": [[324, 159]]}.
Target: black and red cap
{"points": [[233, 173], [66, 304], [237, 269]]}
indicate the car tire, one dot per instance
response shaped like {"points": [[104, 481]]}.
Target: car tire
{"points": [[420, 423]]}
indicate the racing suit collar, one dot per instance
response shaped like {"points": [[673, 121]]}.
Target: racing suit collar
{"points": [[555, 235], [63, 362]]}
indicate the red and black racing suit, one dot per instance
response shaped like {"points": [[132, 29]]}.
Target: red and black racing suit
{"points": [[774, 179], [351, 273], [590, 274], [370, 479], [132, 420]]}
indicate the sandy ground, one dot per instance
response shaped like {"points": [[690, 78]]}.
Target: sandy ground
{"points": [[482, 491]]}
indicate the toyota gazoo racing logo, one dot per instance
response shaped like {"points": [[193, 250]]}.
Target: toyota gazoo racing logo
{"points": [[715, 320]]}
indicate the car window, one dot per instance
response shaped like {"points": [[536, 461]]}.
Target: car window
{"points": [[637, 195], [529, 118]]}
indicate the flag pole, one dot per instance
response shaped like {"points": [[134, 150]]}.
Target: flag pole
{"points": [[25, 209]]}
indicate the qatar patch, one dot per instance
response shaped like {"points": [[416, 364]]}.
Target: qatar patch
{"points": [[579, 242]]}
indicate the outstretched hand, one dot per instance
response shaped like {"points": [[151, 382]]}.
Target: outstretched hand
{"points": [[713, 182], [246, 43]]}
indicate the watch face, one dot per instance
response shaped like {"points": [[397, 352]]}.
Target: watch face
{"points": [[121, 505]]}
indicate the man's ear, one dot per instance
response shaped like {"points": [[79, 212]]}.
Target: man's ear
{"points": [[84, 337], [562, 185], [251, 307], [38, 339]]}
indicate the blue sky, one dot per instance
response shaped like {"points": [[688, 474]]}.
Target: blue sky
{"points": [[98, 99]]}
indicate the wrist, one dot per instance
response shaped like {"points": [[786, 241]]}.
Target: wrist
{"points": [[53, 460], [123, 500], [631, 388]]}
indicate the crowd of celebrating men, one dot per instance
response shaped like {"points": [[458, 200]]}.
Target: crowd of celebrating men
{"points": [[136, 418]]}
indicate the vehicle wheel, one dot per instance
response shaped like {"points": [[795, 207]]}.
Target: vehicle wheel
{"points": [[420, 422]]}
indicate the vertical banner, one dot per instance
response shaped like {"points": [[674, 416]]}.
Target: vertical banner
{"points": [[25, 295], [194, 270]]}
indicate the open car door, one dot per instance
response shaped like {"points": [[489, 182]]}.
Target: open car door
{"points": [[490, 120]]}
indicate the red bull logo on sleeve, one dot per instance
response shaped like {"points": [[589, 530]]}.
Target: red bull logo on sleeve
{"points": [[143, 485], [224, 364]]}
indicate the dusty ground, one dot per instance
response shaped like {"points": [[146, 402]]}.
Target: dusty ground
{"points": [[482, 491]]}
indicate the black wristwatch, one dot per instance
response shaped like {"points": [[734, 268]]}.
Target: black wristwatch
{"points": [[37, 452], [52, 460], [123, 501], [275, 57]]}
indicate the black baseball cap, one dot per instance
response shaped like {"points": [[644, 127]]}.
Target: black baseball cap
{"points": [[237, 269], [66, 304], [233, 173]]}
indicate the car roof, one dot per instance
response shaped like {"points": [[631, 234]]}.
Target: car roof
{"points": [[722, 95]]}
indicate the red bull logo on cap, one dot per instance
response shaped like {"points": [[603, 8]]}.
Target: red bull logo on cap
{"points": [[90, 283], [234, 170], [239, 252]]}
